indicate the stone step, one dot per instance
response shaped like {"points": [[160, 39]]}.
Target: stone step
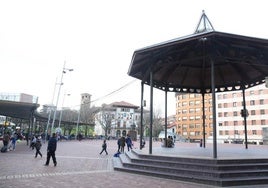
{"points": [[206, 171]]}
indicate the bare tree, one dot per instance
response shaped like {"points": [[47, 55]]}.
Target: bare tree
{"points": [[87, 116], [157, 123], [105, 118]]}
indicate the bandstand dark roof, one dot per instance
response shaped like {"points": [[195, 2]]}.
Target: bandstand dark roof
{"points": [[184, 64]]}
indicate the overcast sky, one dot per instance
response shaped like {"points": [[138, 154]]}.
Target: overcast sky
{"points": [[97, 39]]}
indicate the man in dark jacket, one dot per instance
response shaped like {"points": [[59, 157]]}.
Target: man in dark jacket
{"points": [[51, 148]]}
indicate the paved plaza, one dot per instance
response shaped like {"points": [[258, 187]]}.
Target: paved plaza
{"points": [[80, 166]]}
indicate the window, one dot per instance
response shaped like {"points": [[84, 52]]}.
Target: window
{"points": [[224, 96], [219, 96], [260, 91], [262, 112], [235, 123], [125, 109], [191, 126], [254, 132], [197, 102], [197, 117], [226, 123], [184, 96], [192, 95], [252, 112], [234, 95], [235, 113], [261, 101], [225, 114], [252, 102], [234, 104], [191, 110], [226, 132], [236, 132], [253, 122], [263, 122], [251, 92], [225, 105], [220, 124], [219, 105]]}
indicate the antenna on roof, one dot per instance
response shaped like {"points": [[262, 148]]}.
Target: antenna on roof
{"points": [[204, 24]]}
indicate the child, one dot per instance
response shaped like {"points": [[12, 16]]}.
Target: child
{"points": [[38, 146], [104, 147]]}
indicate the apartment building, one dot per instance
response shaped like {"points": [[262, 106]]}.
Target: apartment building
{"points": [[230, 123], [189, 113]]}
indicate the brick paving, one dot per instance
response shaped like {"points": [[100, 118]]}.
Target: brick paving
{"points": [[79, 166]]}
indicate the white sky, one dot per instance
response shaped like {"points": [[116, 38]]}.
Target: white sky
{"points": [[97, 39]]}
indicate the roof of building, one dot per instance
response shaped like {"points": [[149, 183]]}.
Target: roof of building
{"points": [[20, 110], [124, 104]]}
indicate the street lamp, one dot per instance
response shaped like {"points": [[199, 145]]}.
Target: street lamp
{"points": [[62, 107], [78, 120], [49, 107], [61, 83]]}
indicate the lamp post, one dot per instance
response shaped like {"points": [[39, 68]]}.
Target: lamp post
{"points": [[50, 110], [62, 107], [57, 101], [78, 121]]}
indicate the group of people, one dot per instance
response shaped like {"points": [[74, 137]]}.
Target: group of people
{"points": [[122, 142], [9, 142], [51, 148]]}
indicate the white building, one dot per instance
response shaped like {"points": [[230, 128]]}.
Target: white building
{"points": [[123, 117]]}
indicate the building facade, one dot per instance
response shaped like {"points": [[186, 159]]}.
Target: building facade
{"points": [[230, 124], [124, 117], [189, 113]]}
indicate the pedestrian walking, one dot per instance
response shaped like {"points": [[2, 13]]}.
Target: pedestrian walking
{"points": [[38, 146], [128, 142], [51, 149], [122, 144], [104, 147], [33, 142], [118, 144], [6, 139], [13, 140]]}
